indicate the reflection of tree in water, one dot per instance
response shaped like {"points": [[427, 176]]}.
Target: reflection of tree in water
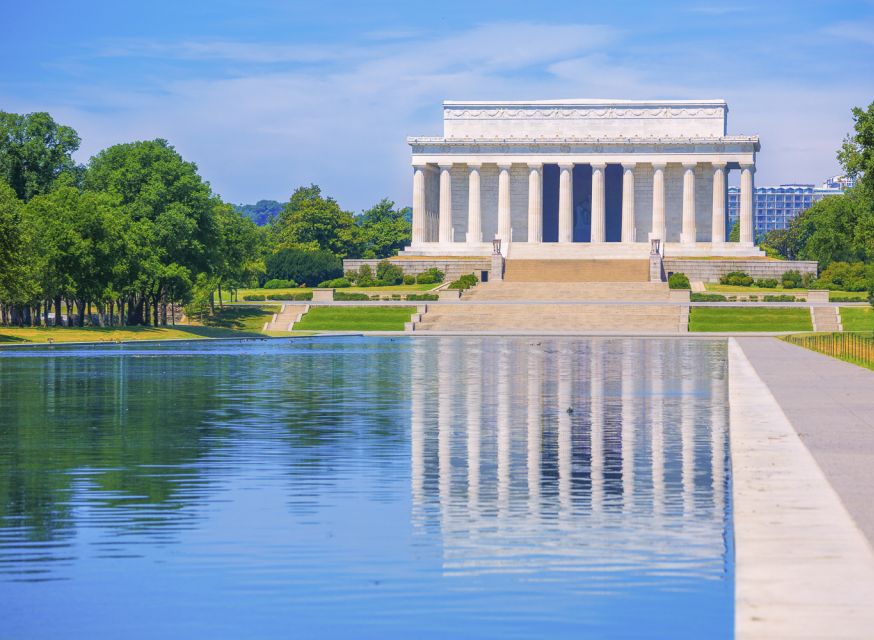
{"points": [[101, 432]]}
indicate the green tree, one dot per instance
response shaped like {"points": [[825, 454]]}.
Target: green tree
{"points": [[384, 229], [734, 234], [172, 221], [309, 219], [34, 152], [856, 155]]}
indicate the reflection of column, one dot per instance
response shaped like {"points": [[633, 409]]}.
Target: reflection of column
{"points": [[417, 423], [687, 429], [503, 431], [629, 424], [535, 411], [718, 422], [565, 401], [597, 430], [474, 420], [656, 360], [445, 357]]}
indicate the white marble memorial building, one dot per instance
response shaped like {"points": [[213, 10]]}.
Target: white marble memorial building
{"points": [[581, 179]]}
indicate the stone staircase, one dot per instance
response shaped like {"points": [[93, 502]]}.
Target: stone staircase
{"points": [[561, 270], [542, 307], [287, 316], [826, 318]]}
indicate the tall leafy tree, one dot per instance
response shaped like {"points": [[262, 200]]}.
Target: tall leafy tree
{"points": [[385, 230], [34, 151], [856, 154], [172, 215], [312, 220]]}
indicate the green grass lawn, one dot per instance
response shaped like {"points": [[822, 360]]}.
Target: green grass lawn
{"points": [[355, 319], [242, 318], [23, 335], [749, 319], [715, 287], [857, 318], [400, 288]]}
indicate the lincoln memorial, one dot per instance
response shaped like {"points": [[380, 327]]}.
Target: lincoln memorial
{"points": [[581, 179]]}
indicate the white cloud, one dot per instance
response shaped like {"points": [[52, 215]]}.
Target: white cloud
{"points": [[284, 115]]}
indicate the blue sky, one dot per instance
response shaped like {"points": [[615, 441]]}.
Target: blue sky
{"points": [[265, 95]]}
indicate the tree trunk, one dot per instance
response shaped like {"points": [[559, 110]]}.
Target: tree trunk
{"points": [[221, 304], [81, 305], [212, 303], [58, 321]]}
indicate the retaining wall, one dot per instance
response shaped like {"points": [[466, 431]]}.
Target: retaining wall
{"points": [[454, 268], [711, 270]]}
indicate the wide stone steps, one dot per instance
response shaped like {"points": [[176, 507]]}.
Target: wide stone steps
{"points": [[561, 270], [826, 318], [576, 291], [551, 317], [287, 316]]}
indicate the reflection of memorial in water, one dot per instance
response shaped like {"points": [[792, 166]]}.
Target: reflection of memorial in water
{"points": [[571, 454]]}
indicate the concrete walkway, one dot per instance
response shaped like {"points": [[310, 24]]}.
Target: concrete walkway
{"points": [[830, 403], [803, 567]]}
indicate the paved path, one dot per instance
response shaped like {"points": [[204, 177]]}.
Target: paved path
{"points": [[831, 405]]}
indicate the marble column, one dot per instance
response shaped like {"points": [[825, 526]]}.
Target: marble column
{"points": [[658, 202], [628, 228], [717, 226], [418, 205], [566, 203], [535, 203], [689, 233], [474, 209], [599, 203], [504, 220], [747, 210], [445, 203]]}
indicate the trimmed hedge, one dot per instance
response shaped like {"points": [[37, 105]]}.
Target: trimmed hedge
{"points": [[291, 296], [464, 282], [422, 297], [736, 279], [706, 297], [679, 281], [255, 297], [781, 298], [277, 283], [336, 283], [345, 296]]}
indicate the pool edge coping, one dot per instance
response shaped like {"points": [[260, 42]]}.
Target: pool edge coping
{"points": [[803, 569]]}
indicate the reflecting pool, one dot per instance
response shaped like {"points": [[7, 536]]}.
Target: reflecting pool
{"points": [[366, 487]]}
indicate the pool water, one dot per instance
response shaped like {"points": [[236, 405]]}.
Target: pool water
{"points": [[366, 488]]}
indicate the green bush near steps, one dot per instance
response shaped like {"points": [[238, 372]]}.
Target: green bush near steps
{"points": [[679, 281], [464, 282]]}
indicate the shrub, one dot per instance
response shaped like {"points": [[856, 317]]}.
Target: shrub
{"points": [[767, 283], [791, 280], [389, 273], [706, 297], [409, 279], [303, 265], [845, 276], [464, 282], [291, 296], [432, 276], [346, 296], [413, 297], [754, 298], [365, 276], [336, 283], [255, 297], [780, 298], [277, 283], [679, 281], [736, 279]]}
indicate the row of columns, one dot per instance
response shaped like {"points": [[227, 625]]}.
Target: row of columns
{"points": [[688, 234]]}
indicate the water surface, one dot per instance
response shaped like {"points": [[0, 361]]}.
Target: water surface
{"points": [[428, 488]]}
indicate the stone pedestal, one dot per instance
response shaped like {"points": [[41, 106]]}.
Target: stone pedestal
{"points": [[323, 295]]}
